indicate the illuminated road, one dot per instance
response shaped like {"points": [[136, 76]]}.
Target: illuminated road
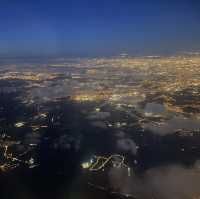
{"points": [[101, 162]]}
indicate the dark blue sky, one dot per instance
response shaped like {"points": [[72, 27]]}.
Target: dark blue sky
{"points": [[98, 27]]}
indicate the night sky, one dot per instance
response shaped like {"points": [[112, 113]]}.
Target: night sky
{"points": [[98, 27]]}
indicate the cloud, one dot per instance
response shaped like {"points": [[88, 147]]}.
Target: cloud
{"points": [[65, 142], [120, 134], [32, 138], [48, 92], [172, 125], [99, 124], [127, 144], [169, 182], [152, 109], [99, 115]]}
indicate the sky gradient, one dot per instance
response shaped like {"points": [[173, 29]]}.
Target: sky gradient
{"points": [[98, 27]]}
